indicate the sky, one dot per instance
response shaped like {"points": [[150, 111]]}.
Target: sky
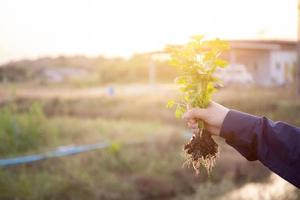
{"points": [[36, 28]]}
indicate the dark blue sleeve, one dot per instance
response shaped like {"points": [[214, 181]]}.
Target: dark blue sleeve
{"points": [[275, 144]]}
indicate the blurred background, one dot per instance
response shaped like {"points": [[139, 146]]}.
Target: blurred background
{"points": [[74, 74]]}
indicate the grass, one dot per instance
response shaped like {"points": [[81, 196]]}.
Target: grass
{"points": [[150, 169]]}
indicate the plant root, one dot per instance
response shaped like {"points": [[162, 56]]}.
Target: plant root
{"points": [[201, 150]]}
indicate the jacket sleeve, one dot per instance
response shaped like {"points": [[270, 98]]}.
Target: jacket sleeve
{"points": [[275, 144]]}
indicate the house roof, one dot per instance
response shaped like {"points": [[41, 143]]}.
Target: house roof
{"points": [[263, 44], [251, 45]]}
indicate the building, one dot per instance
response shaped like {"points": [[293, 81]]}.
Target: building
{"points": [[271, 63]]}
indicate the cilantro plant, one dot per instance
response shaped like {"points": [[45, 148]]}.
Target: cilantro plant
{"points": [[197, 62]]}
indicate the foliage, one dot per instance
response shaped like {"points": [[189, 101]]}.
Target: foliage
{"points": [[197, 61], [21, 132], [150, 170], [80, 71]]}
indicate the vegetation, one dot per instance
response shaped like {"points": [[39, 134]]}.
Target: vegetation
{"points": [[80, 71], [197, 62], [24, 132], [150, 168]]}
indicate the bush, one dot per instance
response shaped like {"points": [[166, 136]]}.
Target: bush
{"points": [[21, 132]]}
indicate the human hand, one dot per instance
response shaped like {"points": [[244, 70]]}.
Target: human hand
{"points": [[213, 117]]}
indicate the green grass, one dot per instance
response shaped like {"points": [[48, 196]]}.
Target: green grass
{"points": [[150, 169]]}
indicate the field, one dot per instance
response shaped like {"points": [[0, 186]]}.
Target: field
{"points": [[145, 160]]}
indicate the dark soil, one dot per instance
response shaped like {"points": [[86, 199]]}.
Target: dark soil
{"points": [[201, 150]]}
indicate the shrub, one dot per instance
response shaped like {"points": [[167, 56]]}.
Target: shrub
{"points": [[21, 132]]}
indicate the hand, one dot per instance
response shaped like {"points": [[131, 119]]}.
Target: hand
{"points": [[213, 117]]}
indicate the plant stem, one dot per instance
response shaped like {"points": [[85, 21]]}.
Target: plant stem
{"points": [[200, 127]]}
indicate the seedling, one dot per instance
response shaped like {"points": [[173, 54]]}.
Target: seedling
{"points": [[197, 62]]}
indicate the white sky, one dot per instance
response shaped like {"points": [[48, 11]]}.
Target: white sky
{"points": [[33, 28]]}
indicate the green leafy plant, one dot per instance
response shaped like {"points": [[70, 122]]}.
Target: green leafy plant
{"points": [[22, 132], [197, 62]]}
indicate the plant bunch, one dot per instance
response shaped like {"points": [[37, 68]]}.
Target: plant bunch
{"points": [[197, 62]]}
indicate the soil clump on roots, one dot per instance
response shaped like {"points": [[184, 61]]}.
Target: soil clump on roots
{"points": [[201, 150]]}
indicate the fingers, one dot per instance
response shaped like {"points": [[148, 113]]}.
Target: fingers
{"points": [[193, 114], [195, 131], [211, 130], [192, 124]]}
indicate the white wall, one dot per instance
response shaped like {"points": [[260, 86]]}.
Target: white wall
{"points": [[262, 74], [281, 63]]}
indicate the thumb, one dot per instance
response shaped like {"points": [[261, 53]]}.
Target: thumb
{"points": [[195, 113]]}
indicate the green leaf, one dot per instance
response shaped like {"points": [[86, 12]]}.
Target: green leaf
{"points": [[187, 98], [180, 110], [197, 62], [170, 103], [181, 80], [197, 37], [115, 147], [221, 63]]}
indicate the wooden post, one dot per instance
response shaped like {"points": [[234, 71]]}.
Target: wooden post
{"points": [[152, 71]]}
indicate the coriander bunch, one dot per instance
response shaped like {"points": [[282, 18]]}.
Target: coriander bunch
{"points": [[197, 62]]}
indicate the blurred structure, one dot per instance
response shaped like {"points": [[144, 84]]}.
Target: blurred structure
{"points": [[60, 74], [154, 57], [235, 74], [152, 72], [271, 63], [261, 62]]}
